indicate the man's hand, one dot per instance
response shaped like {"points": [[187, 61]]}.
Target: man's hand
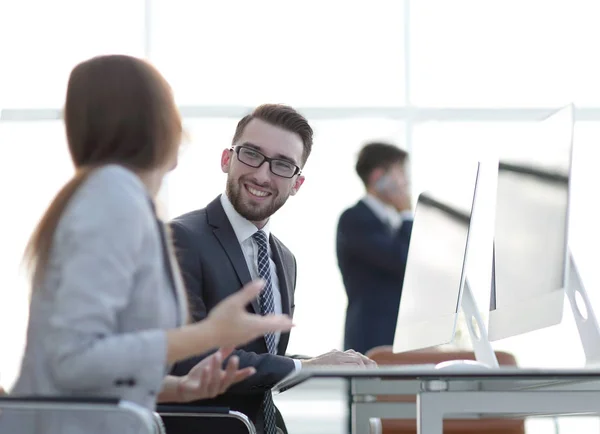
{"points": [[402, 201], [338, 358], [399, 195], [397, 192]]}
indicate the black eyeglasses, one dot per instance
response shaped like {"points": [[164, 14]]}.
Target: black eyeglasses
{"points": [[253, 158]]}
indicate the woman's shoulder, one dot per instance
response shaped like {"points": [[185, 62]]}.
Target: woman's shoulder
{"points": [[111, 193], [116, 180], [114, 184]]}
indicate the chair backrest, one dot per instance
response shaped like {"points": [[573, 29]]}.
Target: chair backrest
{"points": [[60, 414], [203, 419], [385, 356]]}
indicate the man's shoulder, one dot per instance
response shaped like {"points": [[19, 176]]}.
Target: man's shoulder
{"points": [[280, 244], [357, 211], [287, 255], [193, 221]]}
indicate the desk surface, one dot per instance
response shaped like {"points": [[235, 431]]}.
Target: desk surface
{"points": [[429, 373]]}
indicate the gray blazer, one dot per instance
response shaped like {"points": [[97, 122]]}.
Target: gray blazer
{"points": [[97, 322]]}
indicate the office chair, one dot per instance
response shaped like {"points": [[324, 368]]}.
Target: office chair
{"points": [[148, 423], [165, 410]]}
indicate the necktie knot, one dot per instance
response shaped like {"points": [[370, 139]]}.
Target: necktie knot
{"points": [[261, 238]]}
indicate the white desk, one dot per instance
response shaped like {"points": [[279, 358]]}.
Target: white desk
{"points": [[443, 393]]}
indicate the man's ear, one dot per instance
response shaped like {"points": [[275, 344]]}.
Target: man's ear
{"points": [[297, 184], [375, 175], [226, 158]]}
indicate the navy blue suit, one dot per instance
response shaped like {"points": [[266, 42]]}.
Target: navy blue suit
{"points": [[213, 267], [372, 260]]}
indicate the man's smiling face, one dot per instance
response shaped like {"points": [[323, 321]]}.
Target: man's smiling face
{"points": [[257, 193]]}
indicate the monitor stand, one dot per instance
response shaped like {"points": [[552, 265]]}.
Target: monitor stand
{"points": [[583, 312], [484, 353]]}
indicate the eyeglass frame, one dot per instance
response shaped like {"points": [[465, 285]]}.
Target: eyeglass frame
{"points": [[237, 148]]}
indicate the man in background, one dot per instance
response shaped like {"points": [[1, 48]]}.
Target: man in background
{"points": [[225, 245], [372, 247]]}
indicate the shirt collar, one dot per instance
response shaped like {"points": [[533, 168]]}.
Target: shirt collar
{"points": [[386, 213], [242, 227]]}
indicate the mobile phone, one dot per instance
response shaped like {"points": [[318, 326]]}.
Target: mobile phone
{"points": [[385, 184]]}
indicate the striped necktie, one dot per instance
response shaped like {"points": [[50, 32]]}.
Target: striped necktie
{"points": [[267, 306]]}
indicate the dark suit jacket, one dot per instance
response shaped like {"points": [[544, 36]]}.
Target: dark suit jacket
{"points": [[213, 266], [372, 261]]}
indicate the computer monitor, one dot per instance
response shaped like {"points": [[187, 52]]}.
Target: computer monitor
{"points": [[531, 229], [435, 268]]}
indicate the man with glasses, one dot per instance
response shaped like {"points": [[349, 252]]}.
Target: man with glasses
{"points": [[228, 243]]}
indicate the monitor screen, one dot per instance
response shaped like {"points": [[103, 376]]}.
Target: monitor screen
{"points": [[435, 268], [530, 240]]}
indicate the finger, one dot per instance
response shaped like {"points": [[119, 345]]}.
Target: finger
{"points": [[215, 376], [217, 361], [196, 371], [233, 364], [242, 374], [201, 390], [273, 323], [351, 358], [229, 374], [249, 292], [226, 351], [365, 359], [232, 367], [208, 376], [353, 363]]}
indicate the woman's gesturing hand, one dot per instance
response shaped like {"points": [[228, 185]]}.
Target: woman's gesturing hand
{"points": [[234, 325], [208, 378]]}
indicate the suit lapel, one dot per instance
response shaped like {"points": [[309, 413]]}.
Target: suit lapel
{"points": [[176, 278], [285, 280], [224, 233], [284, 273]]}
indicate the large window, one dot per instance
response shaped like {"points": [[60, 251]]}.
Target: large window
{"points": [[319, 53], [40, 41], [470, 53], [450, 80]]}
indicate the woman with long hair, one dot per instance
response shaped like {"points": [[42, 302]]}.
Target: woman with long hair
{"points": [[108, 313]]}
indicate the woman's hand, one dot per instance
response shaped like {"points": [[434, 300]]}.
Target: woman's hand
{"points": [[208, 378], [234, 325]]}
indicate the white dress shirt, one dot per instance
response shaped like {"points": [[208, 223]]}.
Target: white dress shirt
{"points": [[244, 229], [386, 213]]}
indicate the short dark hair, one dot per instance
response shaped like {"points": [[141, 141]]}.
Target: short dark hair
{"points": [[281, 116], [378, 155]]}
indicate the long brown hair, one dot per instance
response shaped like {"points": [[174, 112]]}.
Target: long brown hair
{"points": [[118, 110]]}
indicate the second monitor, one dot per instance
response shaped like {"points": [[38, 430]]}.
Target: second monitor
{"points": [[531, 229]]}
